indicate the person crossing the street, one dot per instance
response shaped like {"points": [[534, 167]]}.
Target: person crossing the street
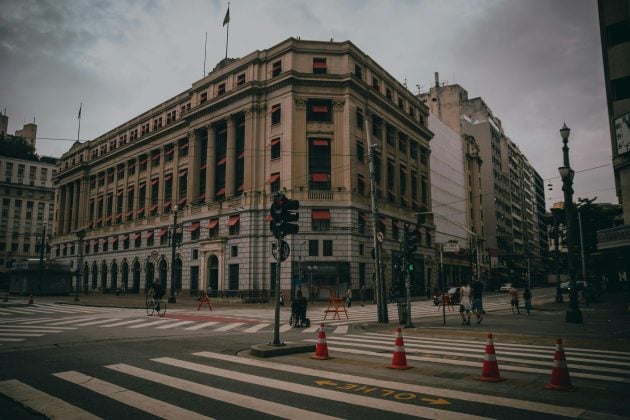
{"points": [[465, 304]]}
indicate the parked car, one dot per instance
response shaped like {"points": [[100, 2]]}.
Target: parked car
{"points": [[452, 293], [505, 287], [564, 287]]}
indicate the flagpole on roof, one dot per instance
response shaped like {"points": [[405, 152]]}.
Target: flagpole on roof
{"points": [[205, 51], [226, 21], [79, 130]]}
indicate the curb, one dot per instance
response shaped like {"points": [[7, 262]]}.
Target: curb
{"points": [[270, 350]]}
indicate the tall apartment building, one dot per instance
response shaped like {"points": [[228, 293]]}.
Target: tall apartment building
{"points": [[614, 24], [455, 184], [287, 119], [508, 214], [27, 195]]}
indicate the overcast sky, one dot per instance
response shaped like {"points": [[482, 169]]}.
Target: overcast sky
{"points": [[536, 63]]}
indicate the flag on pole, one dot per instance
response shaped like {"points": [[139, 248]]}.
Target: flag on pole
{"points": [[226, 20], [80, 106]]}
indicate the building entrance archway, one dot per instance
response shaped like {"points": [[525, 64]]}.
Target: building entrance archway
{"points": [[213, 272]]}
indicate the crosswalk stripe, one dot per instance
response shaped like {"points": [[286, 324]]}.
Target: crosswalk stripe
{"points": [[240, 400], [420, 389], [14, 334], [69, 321], [51, 407], [312, 328], [129, 397], [255, 328], [342, 329], [285, 327], [176, 324], [38, 321], [6, 330], [229, 326], [392, 406], [202, 325], [39, 327], [150, 323], [100, 321], [118, 324], [11, 339]]}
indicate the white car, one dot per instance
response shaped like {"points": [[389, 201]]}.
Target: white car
{"points": [[564, 286], [505, 287]]}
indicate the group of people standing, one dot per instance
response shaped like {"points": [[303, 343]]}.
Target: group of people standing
{"points": [[471, 301]]}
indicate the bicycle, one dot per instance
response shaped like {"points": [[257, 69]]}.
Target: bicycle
{"points": [[149, 294], [154, 305]]}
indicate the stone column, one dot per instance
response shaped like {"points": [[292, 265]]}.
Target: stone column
{"points": [[161, 191], [298, 145], [175, 184], [211, 164], [67, 210], [194, 163], [84, 201], [249, 163], [230, 162], [338, 175], [61, 210], [76, 185]]}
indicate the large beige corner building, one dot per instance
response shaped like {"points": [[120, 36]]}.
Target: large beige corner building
{"points": [[287, 119]]}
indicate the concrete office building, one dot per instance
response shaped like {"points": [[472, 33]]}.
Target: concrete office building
{"points": [[506, 189], [614, 23], [288, 119], [27, 195]]}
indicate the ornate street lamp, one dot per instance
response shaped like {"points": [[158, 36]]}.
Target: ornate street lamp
{"points": [[172, 298], [566, 173]]}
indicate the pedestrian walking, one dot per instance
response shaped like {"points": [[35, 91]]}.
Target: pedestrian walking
{"points": [[477, 300], [362, 293], [349, 297], [514, 300], [465, 304], [527, 297]]}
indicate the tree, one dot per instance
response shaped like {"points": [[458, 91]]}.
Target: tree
{"points": [[16, 147]]}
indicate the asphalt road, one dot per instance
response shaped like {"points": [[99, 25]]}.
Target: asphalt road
{"points": [[198, 363]]}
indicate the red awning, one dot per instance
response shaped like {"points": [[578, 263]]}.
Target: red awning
{"points": [[384, 221], [323, 214], [113, 240], [130, 188], [241, 187], [183, 172], [153, 207], [193, 227], [141, 210], [397, 224], [273, 178], [169, 152], [221, 162], [319, 64], [320, 142], [168, 177], [320, 108], [220, 192], [212, 224], [125, 237], [233, 220], [204, 166], [181, 201], [167, 204], [120, 193], [149, 234], [108, 218], [119, 216], [155, 157], [202, 197], [241, 156], [320, 177], [129, 213], [363, 217], [162, 232], [275, 141], [136, 236], [183, 146], [155, 181], [142, 185]]}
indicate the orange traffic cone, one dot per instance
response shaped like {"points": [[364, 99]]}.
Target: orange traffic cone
{"points": [[490, 369], [399, 359], [30, 299], [560, 373], [321, 348]]}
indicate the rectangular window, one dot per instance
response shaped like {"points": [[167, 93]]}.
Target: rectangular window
{"points": [[233, 277], [213, 228], [234, 225], [276, 114], [240, 79], [618, 33], [319, 65], [274, 182], [358, 71], [319, 110], [234, 251], [221, 89], [360, 184], [388, 93], [194, 280], [313, 248], [377, 127], [360, 151], [620, 88], [320, 219], [403, 181], [203, 97], [362, 223], [137, 240], [275, 148], [359, 119], [276, 68], [327, 248], [376, 84], [319, 164]]}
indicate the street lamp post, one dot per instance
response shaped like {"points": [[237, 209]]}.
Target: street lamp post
{"points": [[556, 245], [79, 270], [566, 173], [172, 298]]}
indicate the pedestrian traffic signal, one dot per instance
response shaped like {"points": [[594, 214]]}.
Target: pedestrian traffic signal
{"points": [[283, 213]]}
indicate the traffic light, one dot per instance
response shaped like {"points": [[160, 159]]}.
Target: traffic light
{"points": [[412, 238], [282, 215]]}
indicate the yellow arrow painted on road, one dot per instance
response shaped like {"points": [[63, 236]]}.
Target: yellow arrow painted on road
{"points": [[320, 383], [434, 401]]}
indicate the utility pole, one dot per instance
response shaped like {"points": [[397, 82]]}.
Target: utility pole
{"points": [[381, 303], [172, 298]]}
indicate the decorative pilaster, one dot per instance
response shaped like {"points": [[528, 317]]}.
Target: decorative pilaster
{"points": [[230, 154], [194, 163], [298, 145], [339, 178], [211, 164]]}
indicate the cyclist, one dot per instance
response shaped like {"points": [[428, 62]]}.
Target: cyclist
{"points": [[158, 291]]}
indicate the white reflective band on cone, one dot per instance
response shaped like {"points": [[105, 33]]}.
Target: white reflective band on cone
{"points": [[490, 358], [560, 363], [399, 349]]}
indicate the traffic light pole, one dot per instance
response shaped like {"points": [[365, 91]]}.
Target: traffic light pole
{"points": [[406, 274], [276, 324]]}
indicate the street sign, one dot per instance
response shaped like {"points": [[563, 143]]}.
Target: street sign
{"points": [[451, 247], [284, 250], [379, 236]]}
